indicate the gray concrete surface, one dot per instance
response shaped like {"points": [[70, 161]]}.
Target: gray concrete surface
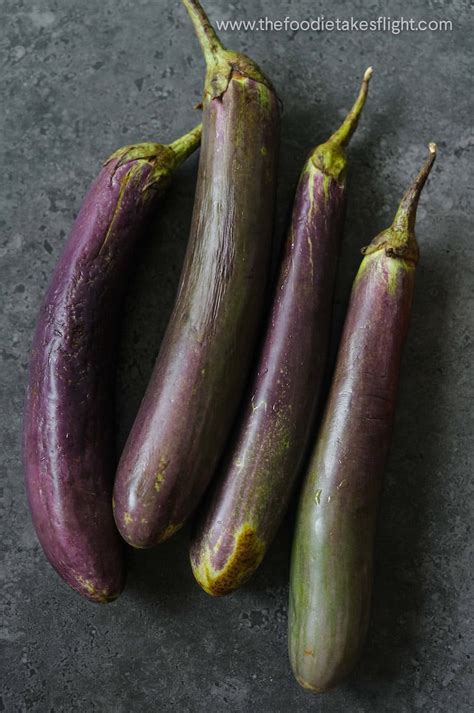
{"points": [[79, 79]]}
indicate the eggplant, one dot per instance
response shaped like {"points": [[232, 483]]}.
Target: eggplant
{"points": [[189, 406], [332, 555], [256, 480], [68, 435]]}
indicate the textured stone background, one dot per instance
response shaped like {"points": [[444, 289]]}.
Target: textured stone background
{"points": [[79, 79]]}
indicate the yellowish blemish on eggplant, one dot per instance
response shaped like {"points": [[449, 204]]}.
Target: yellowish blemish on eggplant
{"points": [[170, 531], [246, 555], [310, 251], [326, 184], [218, 543], [264, 95], [124, 183], [161, 474], [127, 518], [309, 171], [393, 271], [363, 268], [308, 686], [389, 268], [101, 596], [159, 479]]}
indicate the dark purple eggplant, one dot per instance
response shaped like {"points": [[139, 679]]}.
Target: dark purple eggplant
{"points": [[259, 471], [332, 558], [191, 401], [68, 438]]}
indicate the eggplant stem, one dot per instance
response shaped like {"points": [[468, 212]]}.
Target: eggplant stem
{"points": [[185, 145], [344, 133], [405, 216], [221, 64], [399, 240], [330, 157], [210, 43]]}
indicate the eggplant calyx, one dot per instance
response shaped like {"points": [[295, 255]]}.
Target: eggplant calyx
{"points": [[330, 157], [135, 152], [172, 156], [222, 64], [151, 153], [396, 243], [163, 158], [400, 240]]}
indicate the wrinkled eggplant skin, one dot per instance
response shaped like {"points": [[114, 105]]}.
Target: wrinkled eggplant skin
{"points": [[68, 442], [191, 401], [332, 559], [254, 487]]}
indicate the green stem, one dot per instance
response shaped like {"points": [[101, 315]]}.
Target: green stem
{"points": [[210, 43], [399, 240], [185, 145], [330, 157], [220, 62], [343, 135], [406, 214]]}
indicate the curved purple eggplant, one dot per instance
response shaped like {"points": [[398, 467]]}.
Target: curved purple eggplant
{"points": [[254, 487], [332, 559], [68, 438], [192, 399]]}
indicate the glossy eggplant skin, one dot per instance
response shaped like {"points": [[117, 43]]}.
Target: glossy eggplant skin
{"points": [[332, 558], [68, 436], [254, 486], [333, 546], [252, 493], [194, 392], [192, 398]]}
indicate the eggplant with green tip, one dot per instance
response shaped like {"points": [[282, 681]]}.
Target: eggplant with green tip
{"points": [[254, 487], [198, 380], [68, 430], [332, 557]]}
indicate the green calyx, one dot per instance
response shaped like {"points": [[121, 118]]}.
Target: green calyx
{"points": [[399, 241], [222, 64], [163, 158], [330, 157], [331, 160]]}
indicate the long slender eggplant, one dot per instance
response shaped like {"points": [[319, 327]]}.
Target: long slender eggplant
{"points": [[254, 487], [69, 450], [332, 559], [190, 404]]}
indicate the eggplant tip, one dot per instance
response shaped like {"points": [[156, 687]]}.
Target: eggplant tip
{"points": [[368, 74], [310, 686], [433, 149]]}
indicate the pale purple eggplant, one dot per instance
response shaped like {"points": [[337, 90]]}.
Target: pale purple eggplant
{"points": [[192, 399], [257, 477], [332, 558], [68, 437]]}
